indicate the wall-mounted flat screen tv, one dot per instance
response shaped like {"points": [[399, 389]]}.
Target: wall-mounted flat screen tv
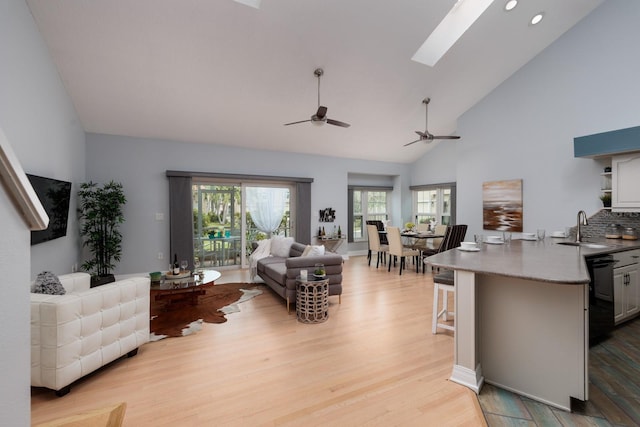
{"points": [[54, 196]]}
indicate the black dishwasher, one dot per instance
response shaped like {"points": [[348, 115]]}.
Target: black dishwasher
{"points": [[601, 308]]}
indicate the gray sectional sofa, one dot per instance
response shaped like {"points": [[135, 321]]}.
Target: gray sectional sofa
{"points": [[280, 273]]}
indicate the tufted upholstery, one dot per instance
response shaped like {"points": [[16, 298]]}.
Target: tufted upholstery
{"points": [[72, 335]]}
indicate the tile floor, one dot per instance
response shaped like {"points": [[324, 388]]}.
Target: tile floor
{"points": [[614, 390]]}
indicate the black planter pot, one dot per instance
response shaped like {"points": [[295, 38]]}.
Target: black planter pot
{"points": [[102, 280]]}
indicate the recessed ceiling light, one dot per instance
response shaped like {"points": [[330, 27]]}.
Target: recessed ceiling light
{"points": [[459, 19], [537, 18], [511, 4]]}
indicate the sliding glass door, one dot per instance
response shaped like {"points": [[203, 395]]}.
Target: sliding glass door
{"points": [[217, 224], [229, 217]]}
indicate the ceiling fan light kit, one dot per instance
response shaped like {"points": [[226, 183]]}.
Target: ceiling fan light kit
{"points": [[426, 135], [320, 117]]}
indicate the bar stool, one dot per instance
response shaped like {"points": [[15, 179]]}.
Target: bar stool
{"points": [[442, 281]]}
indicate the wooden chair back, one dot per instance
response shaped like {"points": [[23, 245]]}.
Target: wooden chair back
{"points": [[452, 237], [109, 416]]}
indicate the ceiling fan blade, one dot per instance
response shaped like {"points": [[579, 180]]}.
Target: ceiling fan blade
{"points": [[322, 112], [338, 123], [446, 137], [413, 142], [295, 123]]}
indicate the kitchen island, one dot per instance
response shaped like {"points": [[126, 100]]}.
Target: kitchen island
{"points": [[522, 320]]}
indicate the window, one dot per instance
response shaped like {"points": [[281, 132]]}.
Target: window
{"points": [[367, 205], [434, 203]]}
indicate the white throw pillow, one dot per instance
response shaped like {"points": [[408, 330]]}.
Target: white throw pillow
{"points": [[306, 251], [314, 250], [281, 246]]}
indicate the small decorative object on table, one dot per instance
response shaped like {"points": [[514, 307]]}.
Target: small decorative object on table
{"points": [[319, 271], [155, 277]]}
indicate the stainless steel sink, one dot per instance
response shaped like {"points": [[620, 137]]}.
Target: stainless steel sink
{"points": [[585, 245]]}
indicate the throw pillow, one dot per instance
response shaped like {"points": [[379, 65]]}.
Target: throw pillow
{"points": [[48, 283], [306, 251], [281, 246], [314, 250]]}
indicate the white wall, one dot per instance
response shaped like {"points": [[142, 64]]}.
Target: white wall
{"points": [[586, 82], [41, 125], [140, 165]]}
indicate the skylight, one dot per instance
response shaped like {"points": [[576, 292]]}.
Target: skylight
{"points": [[252, 3], [459, 19]]}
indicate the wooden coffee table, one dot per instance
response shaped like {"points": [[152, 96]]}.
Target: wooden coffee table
{"points": [[183, 291]]}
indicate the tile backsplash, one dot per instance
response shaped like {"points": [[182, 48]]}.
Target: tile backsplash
{"points": [[599, 221]]}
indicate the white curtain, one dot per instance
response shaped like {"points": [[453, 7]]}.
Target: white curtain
{"points": [[266, 206]]}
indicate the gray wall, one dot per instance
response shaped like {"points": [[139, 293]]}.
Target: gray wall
{"points": [[41, 125], [586, 82], [140, 165]]}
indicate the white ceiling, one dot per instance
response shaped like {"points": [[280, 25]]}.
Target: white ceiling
{"points": [[217, 71]]}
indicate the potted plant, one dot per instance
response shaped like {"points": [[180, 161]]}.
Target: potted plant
{"points": [[409, 226], [100, 214], [606, 200]]}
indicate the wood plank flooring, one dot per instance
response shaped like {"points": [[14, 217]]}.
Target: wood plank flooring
{"points": [[374, 362]]}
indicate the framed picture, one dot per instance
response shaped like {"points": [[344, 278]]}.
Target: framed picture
{"points": [[502, 205]]}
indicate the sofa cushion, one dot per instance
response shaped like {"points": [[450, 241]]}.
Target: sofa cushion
{"points": [[281, 246], [47, 283], [277, 271]]}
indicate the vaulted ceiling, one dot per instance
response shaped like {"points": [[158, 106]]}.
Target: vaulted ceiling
{"points": [[218, 71]]}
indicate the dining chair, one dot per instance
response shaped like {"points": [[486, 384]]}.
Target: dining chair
{"points": [[453, 235], [380, 226], [439, 230], [396, 248], [375, 245], [420, 244]]}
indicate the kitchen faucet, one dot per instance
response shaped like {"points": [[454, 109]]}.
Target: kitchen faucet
{"points": [[582, 220]]}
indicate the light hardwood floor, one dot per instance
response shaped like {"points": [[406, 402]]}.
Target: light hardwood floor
{"points": [[374, 362]]}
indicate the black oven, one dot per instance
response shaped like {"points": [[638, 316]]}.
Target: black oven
{"points": [[601, 308]]}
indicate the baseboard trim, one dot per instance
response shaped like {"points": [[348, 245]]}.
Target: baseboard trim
{"points": [[470, 378]]}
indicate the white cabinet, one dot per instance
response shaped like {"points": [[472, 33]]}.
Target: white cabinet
{"points": [[626, 285], [625, 194]]}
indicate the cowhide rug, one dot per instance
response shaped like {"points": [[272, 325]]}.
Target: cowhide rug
{"points": [[212, 307]]}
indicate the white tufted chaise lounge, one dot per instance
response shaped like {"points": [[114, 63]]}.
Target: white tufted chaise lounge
{"points": [[74, 334]]}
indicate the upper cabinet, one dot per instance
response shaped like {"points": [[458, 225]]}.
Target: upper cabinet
{"points": [[607, 144], [622, 146], [625, 189]]}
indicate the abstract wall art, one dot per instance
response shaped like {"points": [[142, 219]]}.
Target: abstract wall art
{"points": [[502, 205]]}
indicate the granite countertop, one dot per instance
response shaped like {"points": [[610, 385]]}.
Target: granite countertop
{"points": [[544, 260]]}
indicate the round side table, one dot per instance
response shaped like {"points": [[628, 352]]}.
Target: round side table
{"points": [[312, 299]]}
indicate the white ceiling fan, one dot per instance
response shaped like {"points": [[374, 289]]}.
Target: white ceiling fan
{"points": [[426, 135]]}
